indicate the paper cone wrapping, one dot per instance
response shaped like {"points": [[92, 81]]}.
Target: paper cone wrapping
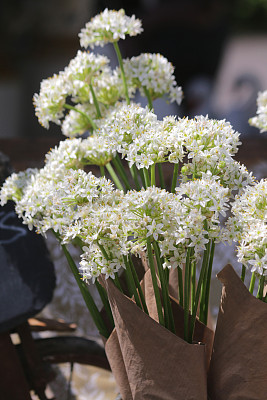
{"points": [[158, 364], [114, 355], [238, 368]]}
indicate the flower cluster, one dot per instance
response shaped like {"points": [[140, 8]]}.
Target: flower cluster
{"points": [[260, 120], [250, 226], [49, 104], [154, 73], [109, 26]]}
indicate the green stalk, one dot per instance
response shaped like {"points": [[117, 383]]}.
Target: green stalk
{"points": [[117, 49], [120, 169], [243, 273], [168, 314], [89, 119], [161, 177], [261, 287], [142, 176], [96, 316], [135, 177], [137, 284], [102, 170], [147, 180], [174, 177], [131, 283], [98, 112], [104, 298], [197, 296], [207, 292], [193, 284], [204, 285], [180, 284], [149, 99], [252, 282], [187, 293], [117, 282], [114, 176], [154, 281], [153, 175]]}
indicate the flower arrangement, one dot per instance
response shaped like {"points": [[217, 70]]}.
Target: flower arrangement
{"points": [[133, 210]]}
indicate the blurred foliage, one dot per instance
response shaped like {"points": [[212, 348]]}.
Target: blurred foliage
{"points": [[248, 15]]}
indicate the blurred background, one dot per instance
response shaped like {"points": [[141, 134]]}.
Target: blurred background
{"points": [[218, 48]]}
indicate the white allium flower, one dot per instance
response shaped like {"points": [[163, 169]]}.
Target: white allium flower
{"points": [[260, 120], [76, 124], [15, 185], [249, 224], [109, 87], [123, 123], [162, 142], [67, 153], [109, 26], [80, 73], [155, 73], [96, 150], [51, 99]]}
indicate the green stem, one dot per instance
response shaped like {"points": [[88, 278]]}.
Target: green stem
{"points": [[103, 251], [174, 177], [180, 284], [120, 169], [137, 284], [153, 175], [204, 285], [86, 116], [131, 283], [161, 177], [187, 293], [142, 176], [197, 296], [104, 298], [114, 176], [98, 112], [117, 282], [117, 49], [207, 293], [102, 170], [193, 284], [243, 273], [147, 180], [149, 99], [261, 287], [134, 174], [97, 318], [154, 281], [168, 314], [252, 282]]}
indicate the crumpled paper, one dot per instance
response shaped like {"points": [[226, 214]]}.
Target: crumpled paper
{"points": [[155, 364]]}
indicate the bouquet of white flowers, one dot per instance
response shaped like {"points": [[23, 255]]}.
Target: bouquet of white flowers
{"points": [[135, 211]]}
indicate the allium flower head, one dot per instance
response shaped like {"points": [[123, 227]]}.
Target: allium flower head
{"points": [[249, 221], [155, 73], [260, 120], [81, 71], [109, 88], [109, 26], [15, 185], [51, 99], [124, 123], [76, 124]]}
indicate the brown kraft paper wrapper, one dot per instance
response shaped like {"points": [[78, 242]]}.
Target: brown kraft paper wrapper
{"points": [[114, 355], [158, 364], [201, 334], [238, 368]]}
